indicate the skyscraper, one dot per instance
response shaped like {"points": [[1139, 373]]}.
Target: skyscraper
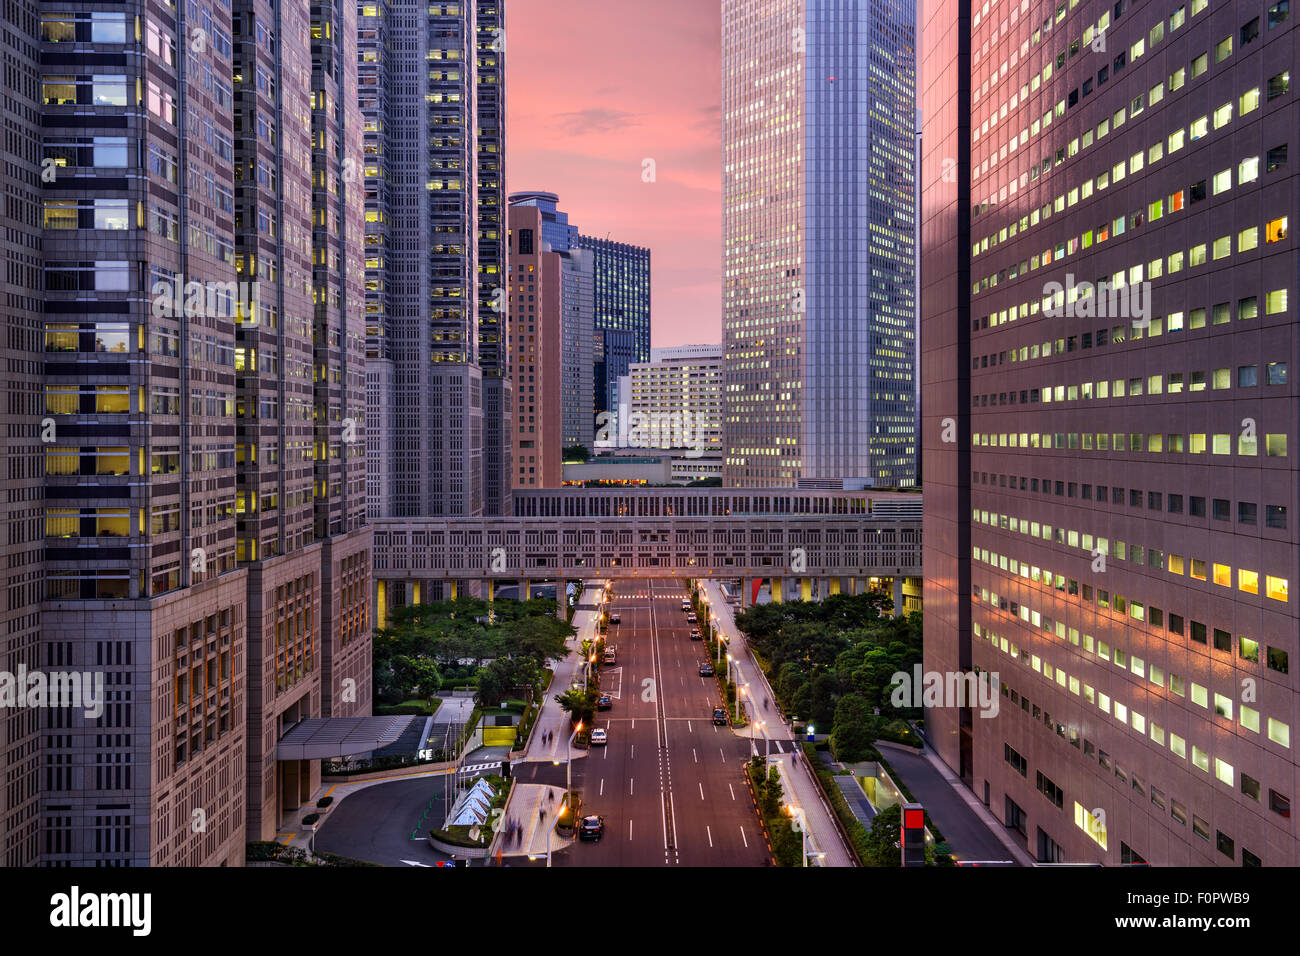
{"points": [[556, 231], [494, 358], [622, 281], [1109, 317], [818, 208], [535, 317], [578, 333], [423, 274], [195, 294]]}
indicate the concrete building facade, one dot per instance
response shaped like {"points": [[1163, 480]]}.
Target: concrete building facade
{"points": [[1110, 472]]}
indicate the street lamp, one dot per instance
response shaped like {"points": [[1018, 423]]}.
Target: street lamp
{"points": [[739, 693], [568, 762]]}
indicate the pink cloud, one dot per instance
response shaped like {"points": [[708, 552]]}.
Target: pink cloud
{"points": [[595, 88]]}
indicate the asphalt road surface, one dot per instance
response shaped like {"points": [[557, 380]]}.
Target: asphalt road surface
{"points": [[669, 783]]}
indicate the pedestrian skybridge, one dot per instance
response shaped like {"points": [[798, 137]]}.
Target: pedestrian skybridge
{"points": [[800, 540]]}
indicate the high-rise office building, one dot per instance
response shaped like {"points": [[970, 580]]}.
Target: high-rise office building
{"points": [[556, 231], [193, 298], [622, 280], [424, 288], [818, 207], [613, 352], [1109, 420], [494, 357], [577, 338], [675, 399], [535, 317]]}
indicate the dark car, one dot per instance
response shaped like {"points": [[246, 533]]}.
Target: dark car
{"points": [[719, 716], [613, 619], [706, 669], [591, 828], [604, 702]]}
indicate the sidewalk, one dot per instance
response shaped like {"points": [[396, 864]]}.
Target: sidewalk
{"points": [[551, 718], [800, 787], [526, 804]]}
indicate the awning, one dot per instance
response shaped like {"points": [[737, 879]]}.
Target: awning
{"points": [[333, 737]]}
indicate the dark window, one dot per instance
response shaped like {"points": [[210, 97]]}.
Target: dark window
{"points": [[1278, 13], [1103, 75], [1275, 516], [1250, 31], [1175, 504], [1278, 85], [1196, 506], [1155, 501], [1279, 804], [1249, 859], [1221, 506], [1278, 660], [1175, 623], [1130, 857], [1196, 191], [1250, 786], [1015, 817], [1276, 158], [1222, 640], [1246, 512], [1225, 844], [1198, 632]]}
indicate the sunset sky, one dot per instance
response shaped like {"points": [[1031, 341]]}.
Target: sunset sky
{"points": [[595, 87]]}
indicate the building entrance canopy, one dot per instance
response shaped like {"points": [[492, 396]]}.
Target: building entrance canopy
{"points": [[336, 737]]}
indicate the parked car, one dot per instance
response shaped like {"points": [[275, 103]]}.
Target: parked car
{"points": [[720, 716], [604, 702], [591, 827], [598, 737], [706, 669]]}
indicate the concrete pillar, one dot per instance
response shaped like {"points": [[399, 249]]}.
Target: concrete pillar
{"points": [[834, 587], [290, 785], [381, 603], [746, 592], [561, 599], [415, 592], [776, 590], [527, 588], [898, 596], [452, 583], [805, 589]]}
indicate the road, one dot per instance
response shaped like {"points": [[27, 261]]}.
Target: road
{"points": [[669, 783]]}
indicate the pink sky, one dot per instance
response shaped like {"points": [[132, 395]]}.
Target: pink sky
{"points": [[595, 87]]}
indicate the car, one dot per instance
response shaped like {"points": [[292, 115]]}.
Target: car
{"points": [[604, 702], [695, 634], [706, 669], [598, 737], [686, 605], [720, 716], [691, 617], [610, 657], [591, 827], [613, 619]]}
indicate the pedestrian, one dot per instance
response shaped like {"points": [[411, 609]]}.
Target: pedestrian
{"points": [[541, 816]]}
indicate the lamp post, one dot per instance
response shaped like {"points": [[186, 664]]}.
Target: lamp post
{"points": [[740, 690], [568, 761]]}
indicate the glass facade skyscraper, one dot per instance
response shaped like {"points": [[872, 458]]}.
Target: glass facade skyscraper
{"points": [[818, 222]]}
